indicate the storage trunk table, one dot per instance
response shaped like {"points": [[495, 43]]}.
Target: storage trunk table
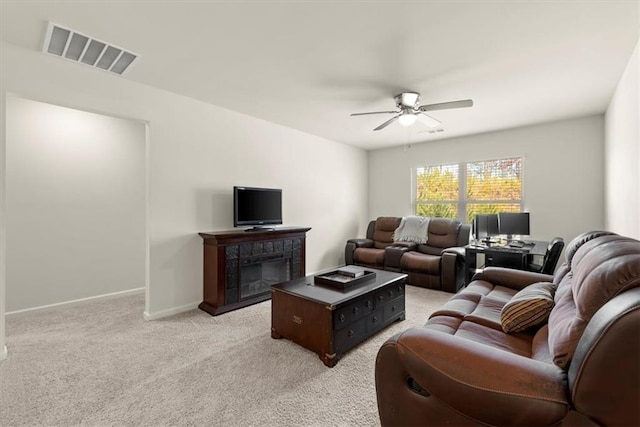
{"points": [[329, 320]]}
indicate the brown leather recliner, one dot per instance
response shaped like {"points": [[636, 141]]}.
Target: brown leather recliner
{"points": [[436, 265], [580, 368], [369, 252]]}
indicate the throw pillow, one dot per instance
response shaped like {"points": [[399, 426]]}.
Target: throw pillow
{"points": [[528, 308]]}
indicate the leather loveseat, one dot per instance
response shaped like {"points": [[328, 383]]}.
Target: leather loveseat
{"points": [[436, 264], [579, 367]]}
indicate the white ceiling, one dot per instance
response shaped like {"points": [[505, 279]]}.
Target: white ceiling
{"points": [[308, 65]]}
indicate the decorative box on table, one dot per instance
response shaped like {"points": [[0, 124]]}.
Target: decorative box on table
{"points": [[344, 277]]}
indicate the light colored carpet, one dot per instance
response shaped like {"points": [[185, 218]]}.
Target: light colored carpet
{"points": [[101, 364]]}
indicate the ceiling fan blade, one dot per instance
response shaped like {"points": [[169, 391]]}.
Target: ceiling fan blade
{"points": [[388, 122], [375, 112], [428, 120], [432, 130], [447, 105]]}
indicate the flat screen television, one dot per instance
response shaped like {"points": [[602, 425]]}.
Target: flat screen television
{"points": [[513, 223], [485, 226], [257, 207]]}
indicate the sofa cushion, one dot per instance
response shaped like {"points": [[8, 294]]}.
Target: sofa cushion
{"points": [[513, 343], [459, 305], [443, 233], [528, 308], [369, 256], [417, 262], [595, 278], [572, 247], [487, 313], [540, 345], [480, 301], [383, 231]]}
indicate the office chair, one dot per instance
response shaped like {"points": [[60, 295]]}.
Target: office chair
{"points": [[551, 257]]}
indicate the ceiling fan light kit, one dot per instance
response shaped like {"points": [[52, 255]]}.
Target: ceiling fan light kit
{"points": [[409, 110], [407, 119]]}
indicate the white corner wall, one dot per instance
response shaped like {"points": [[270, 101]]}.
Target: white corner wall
{"points": [[3, 228], [76, 208], [197, 153], [563, 172], [622, 154]]}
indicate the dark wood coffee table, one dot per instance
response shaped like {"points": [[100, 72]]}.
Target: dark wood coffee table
{"points": [[328, 320]]}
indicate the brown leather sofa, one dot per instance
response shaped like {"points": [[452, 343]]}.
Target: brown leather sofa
{"points": [[580, 368], [438, 264]]}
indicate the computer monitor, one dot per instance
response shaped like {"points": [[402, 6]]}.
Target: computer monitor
{"points": [[513, 223], [485, 226]]}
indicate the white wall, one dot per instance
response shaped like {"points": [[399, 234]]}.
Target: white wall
{"points": [[75, 204], [197, 153], [3, 228], [563, 172], [622, 154]]}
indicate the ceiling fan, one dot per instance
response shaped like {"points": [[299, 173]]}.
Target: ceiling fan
{"points": [[410, 110]]}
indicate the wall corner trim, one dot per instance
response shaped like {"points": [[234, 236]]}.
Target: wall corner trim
{"points": [[170, 311]]}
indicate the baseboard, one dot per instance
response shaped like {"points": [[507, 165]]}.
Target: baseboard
{"points": [[75, 302], [170, 312], [3, 353], [187, 307]]}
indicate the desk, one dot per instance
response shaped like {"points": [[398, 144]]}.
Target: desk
{"points": [[502, 256]]}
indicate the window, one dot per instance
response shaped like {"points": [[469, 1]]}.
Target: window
{"points": [[461, 191]]}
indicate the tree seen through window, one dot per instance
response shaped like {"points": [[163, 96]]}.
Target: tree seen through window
{"points": [[461, 191]]}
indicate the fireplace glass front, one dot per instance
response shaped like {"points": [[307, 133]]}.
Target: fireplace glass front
{"points": [[256, 279]]}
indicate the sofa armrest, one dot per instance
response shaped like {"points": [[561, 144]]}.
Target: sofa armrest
{"points": [[393, 255], [511, 278], [361, 243], [456, 250], [464, 233], [484, 383], [352, 245], [449, 270]]}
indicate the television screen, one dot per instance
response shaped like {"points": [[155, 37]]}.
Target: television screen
{"points": [[485, 226], [257, 206], [513, 223]]}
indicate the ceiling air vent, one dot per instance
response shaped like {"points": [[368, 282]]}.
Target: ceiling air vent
{"points": [[70, 44]]}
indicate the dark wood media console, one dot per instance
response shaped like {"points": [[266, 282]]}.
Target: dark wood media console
{"points": [[240, 266]]}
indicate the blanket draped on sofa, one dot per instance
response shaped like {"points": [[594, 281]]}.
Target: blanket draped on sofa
{"points": [[412, 229]]}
